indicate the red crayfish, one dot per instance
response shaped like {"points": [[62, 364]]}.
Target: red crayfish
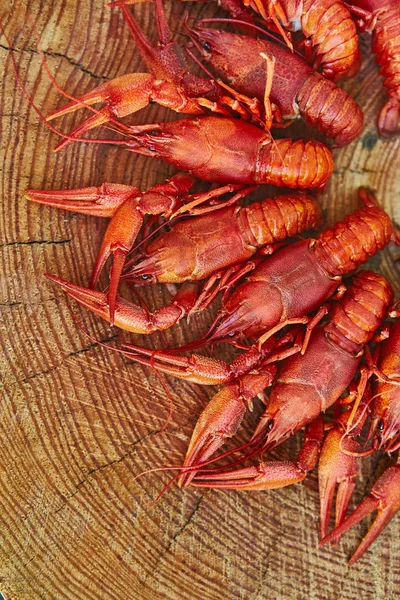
{"points": [[295, 88], [382, 18], [330, 33], [269, 298]]}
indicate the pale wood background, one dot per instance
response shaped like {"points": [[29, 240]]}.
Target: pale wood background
{"points": [[78, 422]]}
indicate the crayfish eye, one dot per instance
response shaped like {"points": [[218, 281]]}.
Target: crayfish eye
{"points": [[231, 334], [270, 425], [206, 46], [381, 425], [145, 277]]}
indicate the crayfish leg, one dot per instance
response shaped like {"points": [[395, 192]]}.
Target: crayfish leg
{"points": [[127, 316]]}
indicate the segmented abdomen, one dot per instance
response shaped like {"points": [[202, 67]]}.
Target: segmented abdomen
{"points": [[277, 218], [329, 108], [333, 35], [295, 164], [349, 243], [386, 46], [357, 315]]}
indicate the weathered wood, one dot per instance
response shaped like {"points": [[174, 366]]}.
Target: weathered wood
{"points": [[78, 422]]}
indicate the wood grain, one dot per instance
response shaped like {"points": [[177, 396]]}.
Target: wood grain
{"points": [[78, 422]]}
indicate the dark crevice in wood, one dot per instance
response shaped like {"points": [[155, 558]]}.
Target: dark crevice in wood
{"points": [[109, 339], [10, 304], [57, 366], [56, 55], [176, 535], [36, 243], [129, 453], [344, 170]]}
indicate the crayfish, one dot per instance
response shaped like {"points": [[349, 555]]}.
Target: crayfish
{"points": [[382, 18], [330, 34], [295, 89]]}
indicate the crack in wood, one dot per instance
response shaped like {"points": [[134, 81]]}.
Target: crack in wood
{"points": [[56, 55], [344, 170], [176, 535], [36, 243], [109, 339], [131, 452], [57, 366], [9, 305], [265, 572]]}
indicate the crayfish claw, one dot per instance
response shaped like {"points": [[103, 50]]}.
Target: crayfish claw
{"points": [[385, 498], [220, 420], [266, 476], [336, 468], [99, 201], [118, 240], [122, 96], [128, 316]]}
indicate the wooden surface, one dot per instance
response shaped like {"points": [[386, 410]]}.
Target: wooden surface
{"points": [[78, 422]]}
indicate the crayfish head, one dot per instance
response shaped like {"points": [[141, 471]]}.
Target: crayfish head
{"points": [[141, 272], [170, 258], [254, 308], [230, 54], [384, 428], [289, 408], [209, 42]]}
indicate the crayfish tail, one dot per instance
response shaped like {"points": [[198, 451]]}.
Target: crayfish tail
{"points": [[329, 108], [349, 243]]}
